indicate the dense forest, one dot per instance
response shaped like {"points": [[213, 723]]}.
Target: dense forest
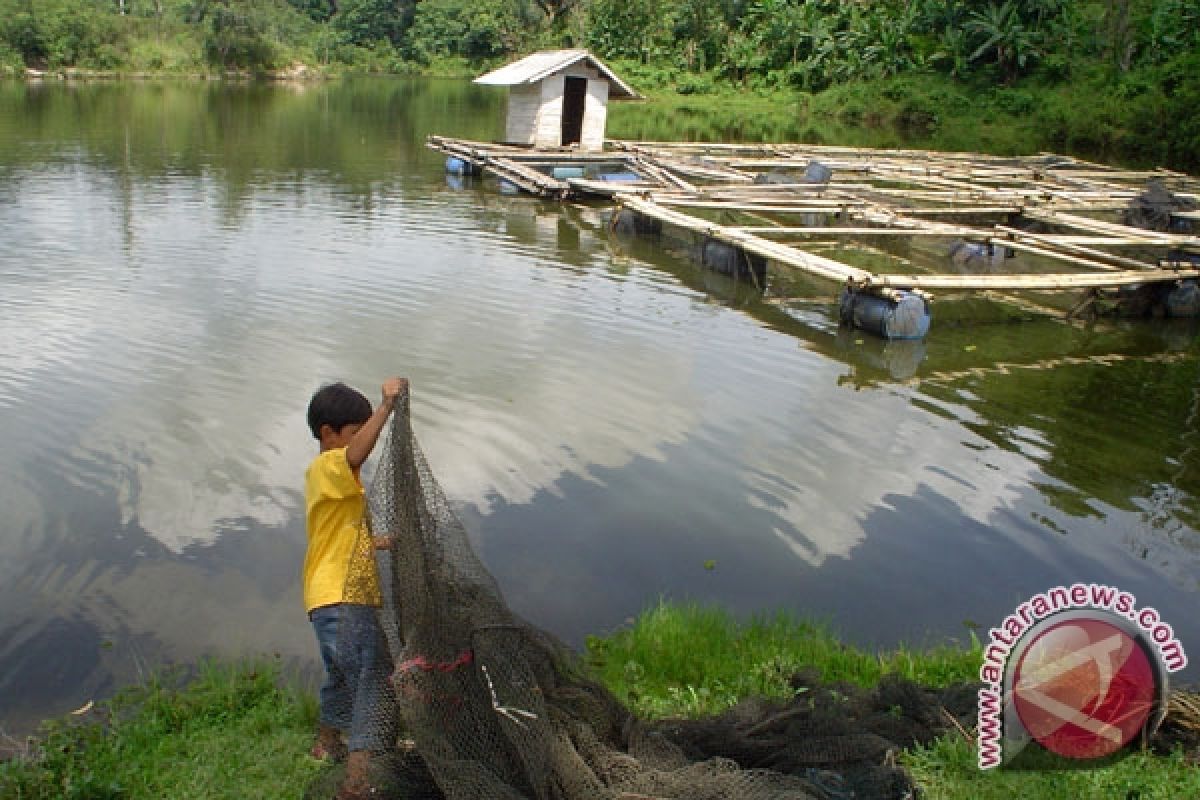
{"points": [[1125, 73]]}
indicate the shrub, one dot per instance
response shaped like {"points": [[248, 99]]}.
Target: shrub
{"points": [[106, 57], [695, 84], [1014, 101], [75, 33], [366, 22], [21, 33], [237, 38], [175, 54], [11, 62], [473, 29]]}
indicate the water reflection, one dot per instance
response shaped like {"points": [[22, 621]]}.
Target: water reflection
{"points": [[1103, 415], [186, 263]]}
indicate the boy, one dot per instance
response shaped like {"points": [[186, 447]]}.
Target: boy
{"points": [[341, 587]]}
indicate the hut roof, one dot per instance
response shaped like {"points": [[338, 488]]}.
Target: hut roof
{"points": [[534, 68]]}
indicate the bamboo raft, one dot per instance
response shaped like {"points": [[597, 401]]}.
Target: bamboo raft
{"points": [[1062, 214]]}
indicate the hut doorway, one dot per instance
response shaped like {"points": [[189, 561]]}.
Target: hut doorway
{"points": [[574, 100]]}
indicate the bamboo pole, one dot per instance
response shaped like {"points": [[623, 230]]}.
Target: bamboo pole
{"points": [[782, 230], [1091, 253], [1084, 223], [1027, 282], [663, 176], [884, 216], [528, 179], [965, 210], [607, 188], [964, 232], [1033, 249], [826, 208], [818, 265], [704, 172]]}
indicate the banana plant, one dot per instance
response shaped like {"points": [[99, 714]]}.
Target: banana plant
{"points": [[1006, 38]]}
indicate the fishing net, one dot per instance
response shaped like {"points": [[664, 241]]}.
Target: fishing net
{"points": [[486, 706], [1153, 210]]}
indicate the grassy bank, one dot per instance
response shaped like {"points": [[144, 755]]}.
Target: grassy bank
{"points": [[230, 731], [1143, 118], [689, 661], [1137, 126], [243, 731], [693, 660], [1115, 80], [1140, 122]]}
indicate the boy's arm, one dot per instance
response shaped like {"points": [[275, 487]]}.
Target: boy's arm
{"points": [[363, 442]]}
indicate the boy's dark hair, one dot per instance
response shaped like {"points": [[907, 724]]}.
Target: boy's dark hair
{"points": [[337, 405]]}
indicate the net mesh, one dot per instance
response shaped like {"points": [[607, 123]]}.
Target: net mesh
{"points": [[490, 707], [1153, 210]]}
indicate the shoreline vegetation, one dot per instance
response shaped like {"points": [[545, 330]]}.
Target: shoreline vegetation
{"points": [[235, 730], [1111, 80]]}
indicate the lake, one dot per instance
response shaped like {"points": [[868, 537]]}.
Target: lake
{"points": [[184, 263]]}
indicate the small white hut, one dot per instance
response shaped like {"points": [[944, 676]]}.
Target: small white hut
{"points": [[558, 98]]}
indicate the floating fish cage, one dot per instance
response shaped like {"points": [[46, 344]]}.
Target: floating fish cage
{"points": [[1103, 239]]}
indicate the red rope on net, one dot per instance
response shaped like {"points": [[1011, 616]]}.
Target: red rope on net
{"points": [[420, 662]]}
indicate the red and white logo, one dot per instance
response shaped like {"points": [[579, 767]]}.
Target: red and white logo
{"points": [[1084, 688], [1081, 670]]}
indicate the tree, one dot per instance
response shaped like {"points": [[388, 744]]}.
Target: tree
{"points": [[700, 26], [363, 22], [23, 34], [316, 10], [237, 36], [622, 28], [556, 10], [778, 26], [473, 29], [1006, 37]]}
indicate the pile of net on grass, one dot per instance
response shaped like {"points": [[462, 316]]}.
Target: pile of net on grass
{"points": [[492, 708]]}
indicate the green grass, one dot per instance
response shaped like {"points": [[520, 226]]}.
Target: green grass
{"points": [[234, 731], [1135, 122], [947, 770], [691, 661], [243, 731], [696, 660]]}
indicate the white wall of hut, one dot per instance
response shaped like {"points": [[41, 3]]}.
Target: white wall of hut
{"points": [[535, 111]]}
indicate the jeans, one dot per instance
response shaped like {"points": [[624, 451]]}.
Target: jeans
{"points": [[356, 697]]}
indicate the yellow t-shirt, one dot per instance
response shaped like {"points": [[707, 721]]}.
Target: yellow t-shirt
{"points": [[339, 566]]}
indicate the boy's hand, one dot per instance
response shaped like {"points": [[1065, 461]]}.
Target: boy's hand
{"points": [[363, 441], [393, 388], [384, 542]]}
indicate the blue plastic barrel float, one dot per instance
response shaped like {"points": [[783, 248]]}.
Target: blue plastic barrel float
{"points": [[1178, 299], [903, 316], [1183, 299], [460, 166], [728, 259], [627, 223]]}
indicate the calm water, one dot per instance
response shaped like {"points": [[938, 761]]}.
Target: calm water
{"points": [[183, 264]]}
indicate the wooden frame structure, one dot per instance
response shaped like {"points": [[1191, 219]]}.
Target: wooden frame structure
{"points": [[1062, 213]]}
